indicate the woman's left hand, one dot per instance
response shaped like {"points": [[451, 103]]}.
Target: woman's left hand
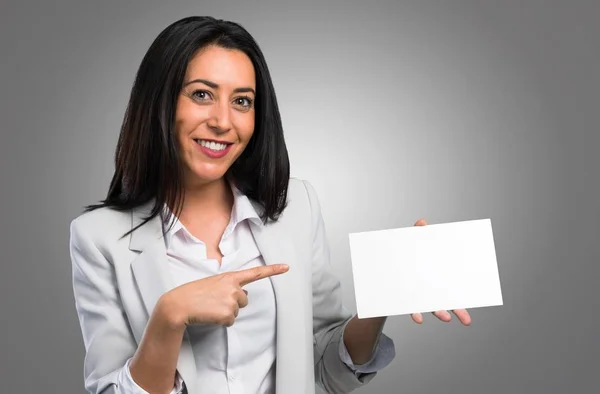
{"points": [[444, 316]]}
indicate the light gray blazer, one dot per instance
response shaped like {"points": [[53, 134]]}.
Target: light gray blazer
{"points": [[117, 282]]}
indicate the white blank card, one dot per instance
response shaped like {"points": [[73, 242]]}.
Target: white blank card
{"points": [[425, 268]]}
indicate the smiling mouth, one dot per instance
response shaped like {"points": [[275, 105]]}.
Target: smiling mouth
{"points": [[212, 145]]}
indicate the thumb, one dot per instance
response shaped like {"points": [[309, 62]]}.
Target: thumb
{"points": [[421, 222]]}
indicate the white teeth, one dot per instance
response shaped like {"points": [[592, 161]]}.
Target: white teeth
{"points": [[212, 145]]}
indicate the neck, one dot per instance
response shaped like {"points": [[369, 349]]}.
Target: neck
{"points": [[207, 201]]}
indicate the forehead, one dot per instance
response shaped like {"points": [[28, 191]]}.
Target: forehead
{"points": [[227, 67]]}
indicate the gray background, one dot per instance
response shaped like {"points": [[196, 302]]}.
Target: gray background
{"points": [[393, 110]]}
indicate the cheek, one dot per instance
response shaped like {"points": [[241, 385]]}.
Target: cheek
{"points": [[246, 128], [187, 118], [181, 128]]}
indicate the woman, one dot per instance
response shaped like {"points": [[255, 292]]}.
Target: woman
{"points": [[205, 269]]}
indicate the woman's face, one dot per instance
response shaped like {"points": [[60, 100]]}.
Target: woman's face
{"points": [[214, 117]]}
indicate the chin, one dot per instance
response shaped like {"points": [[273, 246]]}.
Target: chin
{"points": [[206, 175]]}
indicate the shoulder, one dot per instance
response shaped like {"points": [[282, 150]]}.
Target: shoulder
{"points": [[99, 219], [302, 196], [100, 226], [302, 211]]}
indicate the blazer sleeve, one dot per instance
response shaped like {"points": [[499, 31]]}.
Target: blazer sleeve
{"points": [[108, 341], [329, 315]]}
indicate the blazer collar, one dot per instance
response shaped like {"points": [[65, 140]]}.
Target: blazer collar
{"points": [[148, 233]]}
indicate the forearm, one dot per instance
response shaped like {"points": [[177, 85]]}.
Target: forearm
{"points": [[154, 365], [360, 337]]}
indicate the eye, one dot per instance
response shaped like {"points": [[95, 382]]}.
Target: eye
{"points": [[244, 102], [201, 95]]}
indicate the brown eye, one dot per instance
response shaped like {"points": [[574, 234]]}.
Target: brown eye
{"points": [[201, 95], [245, 102]]}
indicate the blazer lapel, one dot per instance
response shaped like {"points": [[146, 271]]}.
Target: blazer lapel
{"points": [[295, 372], [153, 279], [295, 369]]}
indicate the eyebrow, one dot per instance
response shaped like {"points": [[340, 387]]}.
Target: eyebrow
{"points": [[216, 86]]}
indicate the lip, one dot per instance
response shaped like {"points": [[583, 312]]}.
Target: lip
{"points": [[211, 153]]}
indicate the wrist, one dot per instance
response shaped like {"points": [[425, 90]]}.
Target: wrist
{"points": [[168, 313], [361, 336]]}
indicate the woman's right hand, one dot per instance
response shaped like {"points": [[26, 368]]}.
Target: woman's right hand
{"points": [[213, 300]]}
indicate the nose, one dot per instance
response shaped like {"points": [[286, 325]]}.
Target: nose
{"points": [[220, 120]]}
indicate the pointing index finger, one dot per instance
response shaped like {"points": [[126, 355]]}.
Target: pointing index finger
{"points": [[253, 274]]}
